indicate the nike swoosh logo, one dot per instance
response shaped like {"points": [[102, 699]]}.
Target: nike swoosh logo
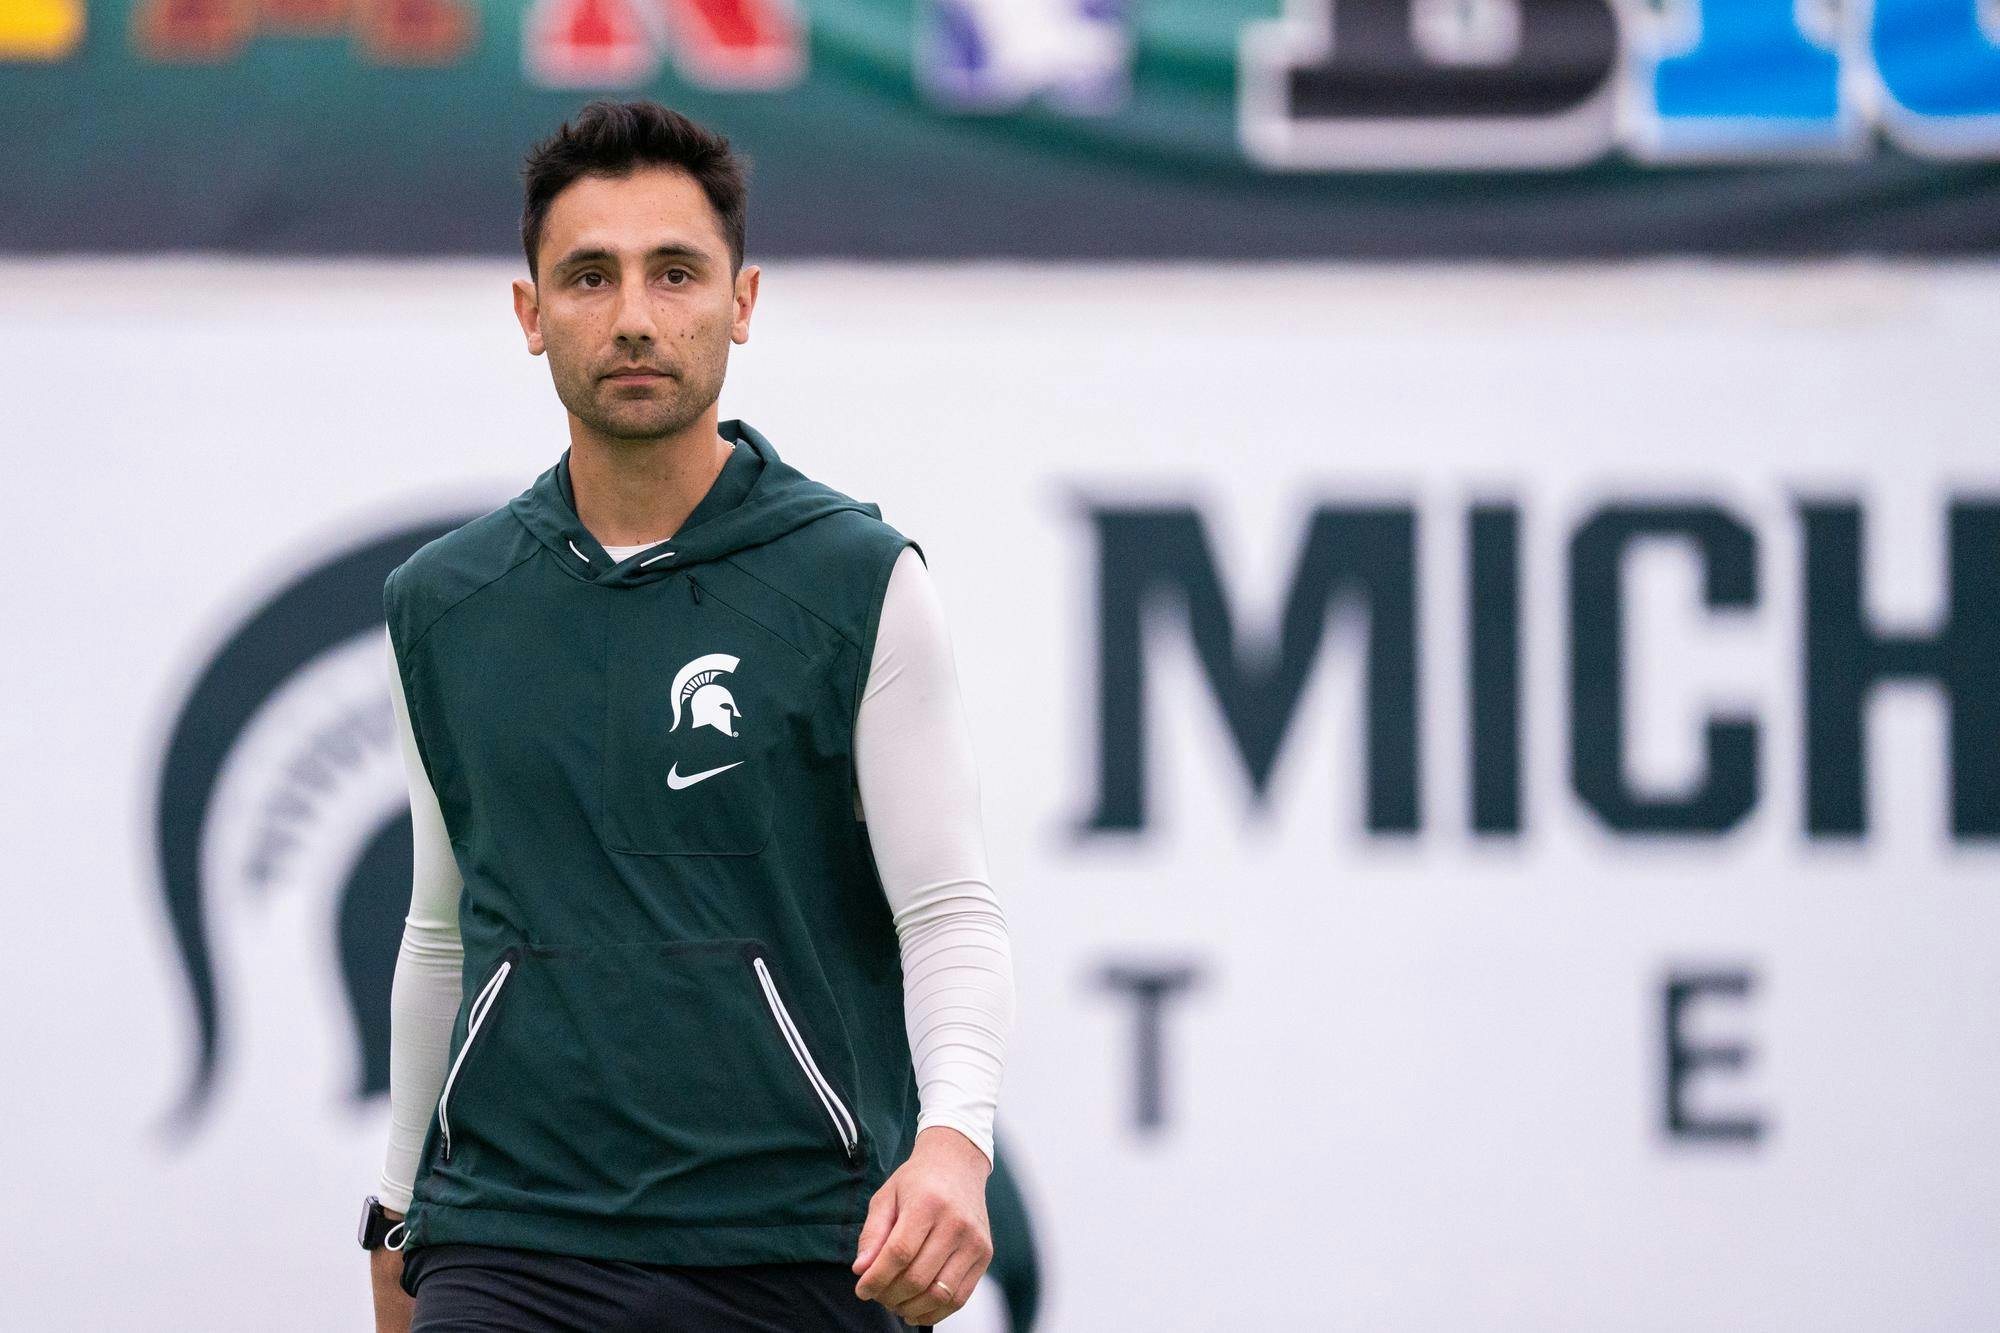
{"points": [[676, 781]]}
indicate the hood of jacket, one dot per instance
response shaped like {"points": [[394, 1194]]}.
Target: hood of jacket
{"points": [[756, 497]]}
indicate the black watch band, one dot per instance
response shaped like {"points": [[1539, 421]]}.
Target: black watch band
{"points": [[377, 1226]]}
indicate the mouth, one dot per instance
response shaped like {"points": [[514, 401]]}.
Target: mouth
{"points": [[636, 376]]}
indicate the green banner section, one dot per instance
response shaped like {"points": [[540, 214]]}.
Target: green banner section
{"points": [[1086, 128]]}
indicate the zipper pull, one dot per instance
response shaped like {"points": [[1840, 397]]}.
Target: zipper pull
{"points": [[694, 588]]}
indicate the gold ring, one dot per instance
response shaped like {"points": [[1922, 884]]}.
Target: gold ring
{"points": [[947, 1290]]}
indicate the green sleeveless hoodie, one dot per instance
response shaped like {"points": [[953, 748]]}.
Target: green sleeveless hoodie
{"points": [[682, 1036]]}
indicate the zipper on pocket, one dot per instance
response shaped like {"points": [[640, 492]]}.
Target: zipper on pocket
{"points": [[482, 1003], [836, 1110]]}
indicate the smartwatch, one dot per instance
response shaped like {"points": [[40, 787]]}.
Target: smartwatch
{"points": [[378, 1228]]}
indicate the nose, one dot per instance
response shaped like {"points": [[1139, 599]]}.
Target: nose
{"points": [[633, 322]]}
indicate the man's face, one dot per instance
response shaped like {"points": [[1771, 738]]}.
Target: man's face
{"points": [[634, 273]]}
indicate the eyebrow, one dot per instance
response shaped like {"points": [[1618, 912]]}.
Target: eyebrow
{"points": [[601, 255]]}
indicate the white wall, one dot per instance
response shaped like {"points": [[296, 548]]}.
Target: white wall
{"points": [[1418, 1087]]}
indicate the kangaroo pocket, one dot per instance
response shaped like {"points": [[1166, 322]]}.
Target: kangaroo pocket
{"points": [[663, 1082]]}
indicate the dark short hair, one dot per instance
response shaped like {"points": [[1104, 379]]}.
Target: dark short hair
{"points": [[615, 138]]}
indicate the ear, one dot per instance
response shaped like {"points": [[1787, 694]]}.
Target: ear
{"points": [[746, 301], [528, 309]]}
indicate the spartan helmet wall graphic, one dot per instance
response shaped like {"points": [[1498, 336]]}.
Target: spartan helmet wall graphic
{"points": [[707, 700]]}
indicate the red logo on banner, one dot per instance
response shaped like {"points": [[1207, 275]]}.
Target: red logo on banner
{"points": [[192, 30], [388, 32], [737, 43], [728, 44], [416, 32], [588, 44]]}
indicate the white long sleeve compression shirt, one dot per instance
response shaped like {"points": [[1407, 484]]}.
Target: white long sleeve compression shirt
{"points": [[913, 765]]}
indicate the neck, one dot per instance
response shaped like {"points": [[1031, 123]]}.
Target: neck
{"points": [[630, 492]]}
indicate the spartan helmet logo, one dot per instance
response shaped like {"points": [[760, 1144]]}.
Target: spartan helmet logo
{"points": [[708, 700]]}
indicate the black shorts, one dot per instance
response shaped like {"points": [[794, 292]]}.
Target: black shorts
{"points": [[493, 1289]]}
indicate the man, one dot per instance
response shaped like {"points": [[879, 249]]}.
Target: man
{"points": [[698, 1018]]}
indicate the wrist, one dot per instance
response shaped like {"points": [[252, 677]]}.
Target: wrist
{"points": [[382, 1227], [954, 1142]]}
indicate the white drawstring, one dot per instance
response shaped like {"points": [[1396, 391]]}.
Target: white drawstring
{"points": [[579, 555], [396, 1245], [664, 555]]}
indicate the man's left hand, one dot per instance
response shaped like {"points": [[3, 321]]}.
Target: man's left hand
{"points": [[927, 1224]]}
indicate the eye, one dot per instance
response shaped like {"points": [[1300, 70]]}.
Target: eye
{"points": [[681, 273], [588, 273]]}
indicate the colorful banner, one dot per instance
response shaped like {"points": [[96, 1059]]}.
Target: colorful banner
{"points": [[1100, 128]]}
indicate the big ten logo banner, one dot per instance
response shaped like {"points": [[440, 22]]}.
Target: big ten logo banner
{"points": [[1051, 128], [1518, 84], [1545, 83], [1330, 85]]}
